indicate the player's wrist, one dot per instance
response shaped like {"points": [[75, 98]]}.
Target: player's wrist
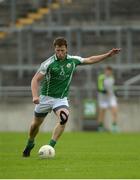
{"points": [[35, 99]]}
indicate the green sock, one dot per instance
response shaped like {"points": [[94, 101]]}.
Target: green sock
{"points": [[52, 142], [100, 124], [30, 143], [114, 123]]}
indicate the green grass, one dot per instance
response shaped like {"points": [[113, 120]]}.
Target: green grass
{"points": [[78, 155]]}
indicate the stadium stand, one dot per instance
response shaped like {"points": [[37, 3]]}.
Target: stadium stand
{"points": [[27, 29]]}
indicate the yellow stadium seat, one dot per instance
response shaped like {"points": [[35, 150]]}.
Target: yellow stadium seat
{"points": [[19, 25], [55, 6], [43, 10], [25, 21], [35, 16], [2, 34]]}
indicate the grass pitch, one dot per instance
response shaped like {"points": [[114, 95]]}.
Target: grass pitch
{"points": [[78, 155]]}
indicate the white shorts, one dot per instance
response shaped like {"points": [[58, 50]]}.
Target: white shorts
{"points": [[106, 101], [47, 104]]}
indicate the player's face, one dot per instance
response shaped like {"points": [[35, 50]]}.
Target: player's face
{"points": [[60, 51], [108, 72]]}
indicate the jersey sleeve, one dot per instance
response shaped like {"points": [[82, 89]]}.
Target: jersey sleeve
{"points": [[44, 66], [42, 69], [78, 60]]}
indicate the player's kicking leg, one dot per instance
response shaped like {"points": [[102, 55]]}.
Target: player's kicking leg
{"points": [[62, 115], [37, 121]]}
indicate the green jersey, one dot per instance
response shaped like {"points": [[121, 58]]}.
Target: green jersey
{"points": [[58, 75], [101, 87], [106, 84]]}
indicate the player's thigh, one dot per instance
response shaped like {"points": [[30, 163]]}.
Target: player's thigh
{"points": [[102, 110], [37, 121]]}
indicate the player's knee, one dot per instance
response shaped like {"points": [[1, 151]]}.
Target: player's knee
{"points": [[63, 117]]}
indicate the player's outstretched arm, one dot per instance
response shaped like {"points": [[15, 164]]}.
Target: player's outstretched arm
{"points": [[35, 86], [98, 58]]}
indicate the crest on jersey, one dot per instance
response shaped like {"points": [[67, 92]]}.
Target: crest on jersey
{"points": [[68, 65]]}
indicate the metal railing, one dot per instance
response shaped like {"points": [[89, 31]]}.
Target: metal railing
{"points": [[25, 91]]}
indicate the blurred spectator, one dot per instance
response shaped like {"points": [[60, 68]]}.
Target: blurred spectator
{"points": [[107, 99]]}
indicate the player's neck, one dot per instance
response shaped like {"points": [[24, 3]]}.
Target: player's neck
{"points": [[62, 59]]}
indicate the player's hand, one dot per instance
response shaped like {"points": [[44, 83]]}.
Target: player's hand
{"points": [[36, 100], [114, 51]]}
